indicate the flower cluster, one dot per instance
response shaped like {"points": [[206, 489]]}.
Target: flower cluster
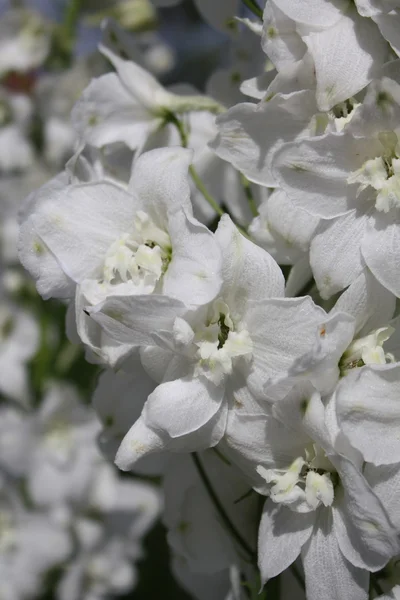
{"points": [[251, 359]]}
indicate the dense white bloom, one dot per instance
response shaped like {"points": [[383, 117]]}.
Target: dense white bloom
{"points": [[116, 242], [345, 49], [320, 503], [350, 180], [226, 350]]}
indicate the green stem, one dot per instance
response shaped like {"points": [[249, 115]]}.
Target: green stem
{"points": [[255, 9], [249, 195], [71, 17], [221, 511], [170, 117], [201, 187]]}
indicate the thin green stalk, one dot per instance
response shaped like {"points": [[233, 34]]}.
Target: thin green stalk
{"points": [[255, 9], [170, 117], [203, 190], [249, 195], [71, 17], [221, 511]]}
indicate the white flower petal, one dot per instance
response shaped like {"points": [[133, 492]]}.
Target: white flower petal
{"points": [[381, 250], [335, 252], [194, 273], [249, 134], [133, 319], [249, 273], [161, 183], [368, 302], [182, 406], [328, 574], [364, 532], [368, 411], [358, 50], [281, 536]]}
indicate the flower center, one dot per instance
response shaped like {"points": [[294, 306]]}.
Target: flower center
{"points": [[382, 173], [220, 343], [367, 350], [134, 263], [306, 484], [344, 112]]}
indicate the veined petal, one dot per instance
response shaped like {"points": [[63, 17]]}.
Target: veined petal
{"points": [[371, 304], [315, 13], [107, 113], [282, 330], [314, 172], [343, 77], [81, 223], [363, 529], [281, 536], [328, 574], [335, 251], [249, 273], [160, 181], [368, 410], [133, 319], [381, 250], [194, 273], [249, 134]]}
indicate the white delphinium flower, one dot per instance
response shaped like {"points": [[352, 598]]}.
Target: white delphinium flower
{"points": [[19, 340], [24, 40], [16, 150], [110, 542], [130, 105], [114, 242], [324, 33], [320, 503], [31, 543], [133, 108], [206, 359], [352, 335], [351, 180]]}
